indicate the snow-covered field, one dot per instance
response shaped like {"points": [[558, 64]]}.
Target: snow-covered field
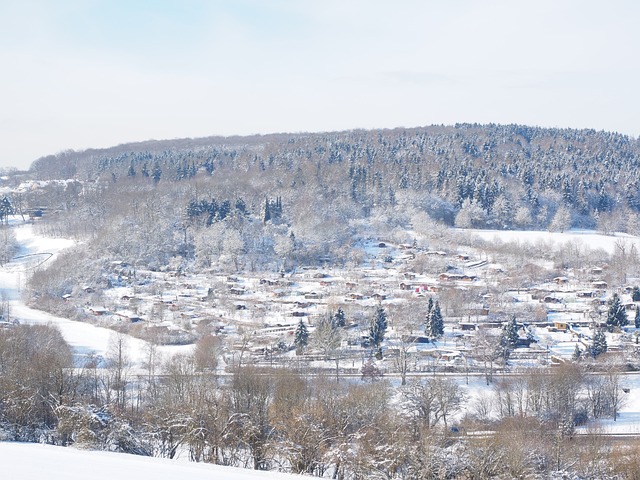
{"points": [[586, 238], [627, 423], [28, 461]]}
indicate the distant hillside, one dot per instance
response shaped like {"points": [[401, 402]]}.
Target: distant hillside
{"points": [[501, 176]]}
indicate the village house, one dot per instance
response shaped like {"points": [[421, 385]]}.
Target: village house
{"points": [[456, 277], [406, 286], [98, 311]]}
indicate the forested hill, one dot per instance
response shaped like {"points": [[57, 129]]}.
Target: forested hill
{"points": [[499, 176]]}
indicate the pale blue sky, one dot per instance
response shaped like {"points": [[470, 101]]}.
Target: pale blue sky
{"points": [[95, 73]]}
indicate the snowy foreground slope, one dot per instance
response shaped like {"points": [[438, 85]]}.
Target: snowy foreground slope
{"points": [[26, 461]]}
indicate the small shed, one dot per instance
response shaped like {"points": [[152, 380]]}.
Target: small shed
{"points": [[560, 325]]}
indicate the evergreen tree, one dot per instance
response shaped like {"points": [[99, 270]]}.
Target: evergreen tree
{"points": [[276, 208], [241, 206], [427, 318], [508, 339], [211, 207], [181, 171], [339, 318], [378, 328], [434, 325], [392, 196], [616, 315], [635, 294], [637, 319], [145, 170], [192, 170], [156, 174], [301, 336], [6, 209], [267, 211], [132, 171], [577, 354], [224, 210], [502, 350], [510, 333], [194, 209], [598, 344], [437, 321]]}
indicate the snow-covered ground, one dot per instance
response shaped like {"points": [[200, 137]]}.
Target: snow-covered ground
{"points": [[588, 238], [84, 338], [28, 461], [628, 421]]}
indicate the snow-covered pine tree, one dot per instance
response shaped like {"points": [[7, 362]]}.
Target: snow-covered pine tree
{"points": [[636, 321], [377, 329], [502, 349], [434, 325], [598, 344], [6, 209], [577, 354], [616, 315], [156, 174], [635, 294], [427, 319], [508, 339], [510, 333], [339, 318], [301, 336], [438, 322], [267, 211]]}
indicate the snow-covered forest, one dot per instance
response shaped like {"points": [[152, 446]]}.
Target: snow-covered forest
{"points": [[505, 176], [443, 302]]}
